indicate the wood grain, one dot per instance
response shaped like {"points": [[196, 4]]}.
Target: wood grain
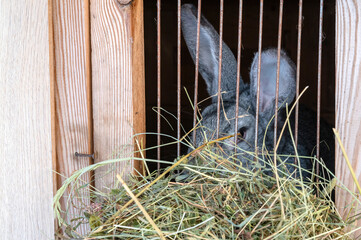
{"points": [[71, 97], [52, 91], [26, 186], [112, 88], [138, 78], [52, 98], [348, 97]]}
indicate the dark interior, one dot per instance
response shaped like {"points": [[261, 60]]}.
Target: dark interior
{"points": [[210, 9]]}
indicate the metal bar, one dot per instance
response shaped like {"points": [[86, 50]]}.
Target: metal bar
{"points": [[158, 82], [279, 40], [259, 71], [239, 49], [219, 65], [196, 74], [179, 78], [299, 40], [320, 35]]}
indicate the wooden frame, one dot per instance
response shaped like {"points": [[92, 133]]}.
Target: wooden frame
{"points": [[44, 100], [348, 97], [99, 87]]}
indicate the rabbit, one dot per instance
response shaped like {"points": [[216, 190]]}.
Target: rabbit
{"points": [[208, 68]]}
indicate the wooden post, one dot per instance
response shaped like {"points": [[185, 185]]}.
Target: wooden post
{"points": [[26, 186], [118, 84], [99, 65], [138, 78], [71, 98], [348, 97]]}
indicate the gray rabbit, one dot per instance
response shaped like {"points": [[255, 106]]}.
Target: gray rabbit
{"points": [[208, 68]]}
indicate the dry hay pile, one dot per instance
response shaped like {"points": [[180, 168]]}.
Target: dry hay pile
{"points": [[218, 200]]}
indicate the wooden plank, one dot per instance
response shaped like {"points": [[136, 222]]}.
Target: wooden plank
{"points": [[138, 80], [71, 97], [26, 186], [112, 87], [52, 91], [52, 98], [348, 97]]}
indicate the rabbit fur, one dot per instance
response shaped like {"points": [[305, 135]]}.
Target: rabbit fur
{"points": [[208, 68]]}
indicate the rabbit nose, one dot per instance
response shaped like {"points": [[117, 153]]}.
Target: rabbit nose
{"points": [[242, 133], [241, 136]]}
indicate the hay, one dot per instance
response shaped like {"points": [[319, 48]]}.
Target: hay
{"points": [[217, 200]]}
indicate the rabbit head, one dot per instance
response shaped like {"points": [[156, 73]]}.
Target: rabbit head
{"points": [[208, 68]]}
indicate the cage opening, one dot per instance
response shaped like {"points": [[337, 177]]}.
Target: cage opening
{"points": [[170, 56]]}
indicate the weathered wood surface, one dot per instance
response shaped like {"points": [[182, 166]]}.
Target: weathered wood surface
{"points": [[348, 96], [112, 77], [71, 106], [95, 86], [26, 186]]}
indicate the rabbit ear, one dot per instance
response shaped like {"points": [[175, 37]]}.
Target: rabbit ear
{"points": [[209, 51], [268, 78]]}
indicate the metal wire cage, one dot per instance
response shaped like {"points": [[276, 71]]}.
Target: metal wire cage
{"points": [[304, 29]]}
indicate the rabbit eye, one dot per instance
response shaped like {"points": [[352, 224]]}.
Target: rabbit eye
{"points": [[242, 134]]}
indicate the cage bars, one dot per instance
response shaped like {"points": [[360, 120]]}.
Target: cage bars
{"points": [[260, 32], [178, 75], [279, 40], [219, 65], [158, 82], [299, 40], [320, 35], [239, 49], [196, 74]]}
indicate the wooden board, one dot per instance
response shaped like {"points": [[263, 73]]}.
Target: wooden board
{"points": [[138, 79], [26, 186], [112, 87], [71, 106], [109, 92], [348, 96]]}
